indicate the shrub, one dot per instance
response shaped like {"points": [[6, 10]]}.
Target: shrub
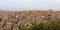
{"points": [[52, 25]]}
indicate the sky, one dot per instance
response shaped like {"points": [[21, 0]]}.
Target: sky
{"points": [[29, 4]]}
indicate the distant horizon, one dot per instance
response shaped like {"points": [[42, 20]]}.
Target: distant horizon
{"points": [[31, 10]]}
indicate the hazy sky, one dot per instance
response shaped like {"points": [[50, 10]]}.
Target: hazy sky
{"points": [[29, 4]]}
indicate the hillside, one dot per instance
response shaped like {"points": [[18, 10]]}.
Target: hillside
{"points": [[25, 18]]}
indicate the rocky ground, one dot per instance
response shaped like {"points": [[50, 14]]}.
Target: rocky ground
{"points": [[25, 18]]}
